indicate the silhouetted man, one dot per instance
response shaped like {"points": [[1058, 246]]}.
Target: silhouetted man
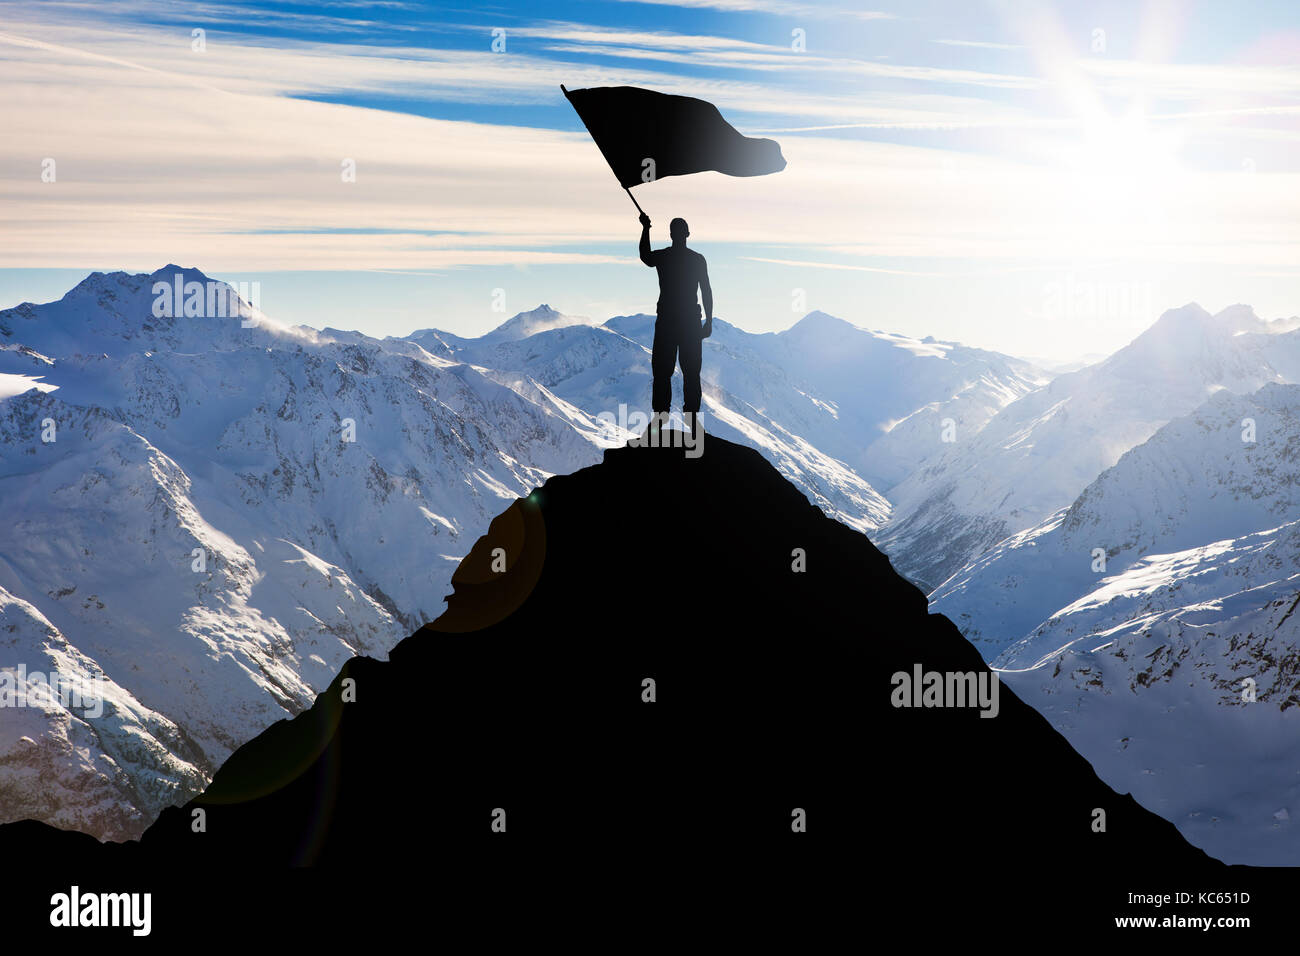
{"points": [[678, 335]]}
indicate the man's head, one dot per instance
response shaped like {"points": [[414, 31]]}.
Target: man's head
{"points": [[678, 230]]}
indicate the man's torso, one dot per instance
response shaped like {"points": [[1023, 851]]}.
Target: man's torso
{"points": [[679, 270]]}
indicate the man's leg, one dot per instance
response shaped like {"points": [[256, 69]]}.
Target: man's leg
{"points": [[692, 346], [663, 358]]}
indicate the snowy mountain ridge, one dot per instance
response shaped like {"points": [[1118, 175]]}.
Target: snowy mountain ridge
{"points": [[1040, 451], [217, 517], [1153, 621], [210, 515], [210, 512]]}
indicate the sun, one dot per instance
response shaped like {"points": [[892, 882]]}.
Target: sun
{"points": [[1117, 178], [1124, 155]]}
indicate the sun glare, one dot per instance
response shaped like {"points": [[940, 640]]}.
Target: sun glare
{"points": [[1116, 177]]}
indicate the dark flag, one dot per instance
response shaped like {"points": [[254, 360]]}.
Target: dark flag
{"points": [[680, 134]]}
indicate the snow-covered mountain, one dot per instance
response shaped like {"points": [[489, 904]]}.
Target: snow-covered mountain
{"points": [[1036, 454], [521, 326], [216, 517], [607, 373], [207, 513], [893, 395], [1142, 661], [841, 411], [875, 400]]}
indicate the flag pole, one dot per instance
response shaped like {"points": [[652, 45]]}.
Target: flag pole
{"points": [[565, 91], [634, 202]]}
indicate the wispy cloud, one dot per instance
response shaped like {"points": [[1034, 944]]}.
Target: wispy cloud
{"points": [[1192, 80], [782, 8], [850, 267], [982, 44], [734, 53]]}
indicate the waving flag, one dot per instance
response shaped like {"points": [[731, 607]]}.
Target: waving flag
{"points": [[678, 135]]}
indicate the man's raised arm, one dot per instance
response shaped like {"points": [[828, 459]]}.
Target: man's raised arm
{"points": [[645, 240]]}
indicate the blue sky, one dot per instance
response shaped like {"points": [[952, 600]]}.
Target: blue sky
{"points": [[1038, 178]]}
